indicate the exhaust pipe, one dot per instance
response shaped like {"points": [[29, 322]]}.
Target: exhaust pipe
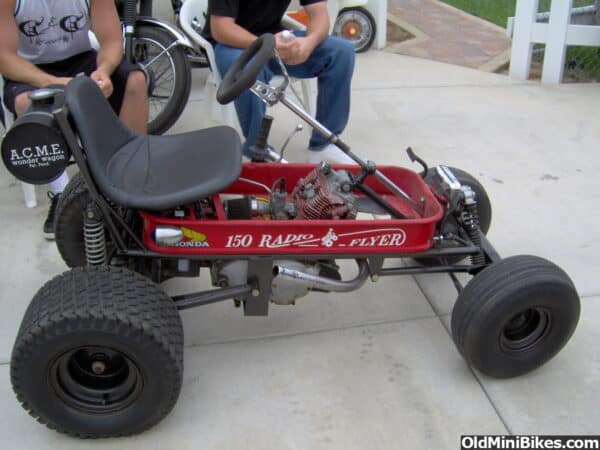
{"points": [[326, 284], [166, 236]]}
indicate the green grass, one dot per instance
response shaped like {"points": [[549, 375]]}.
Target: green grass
{"points": [[498, 11], [583, 63]]}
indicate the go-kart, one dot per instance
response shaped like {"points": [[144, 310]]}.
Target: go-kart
{"points": [[100, 349]]}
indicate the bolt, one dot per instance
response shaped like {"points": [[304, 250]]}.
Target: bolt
{"points": [[90, 214], [375, 278], [255, 292], [98, 367]]}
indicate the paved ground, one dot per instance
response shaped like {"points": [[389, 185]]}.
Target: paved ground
{"points": [[447, 34], [375, 368]]}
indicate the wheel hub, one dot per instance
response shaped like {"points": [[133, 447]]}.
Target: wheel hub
{"points": [[525, 330], [351, 31], [96, 380], [98, 366]]}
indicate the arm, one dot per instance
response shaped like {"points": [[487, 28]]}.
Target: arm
{"points": [[107, 28], [226, 31], [318, 27], [11, 64]]}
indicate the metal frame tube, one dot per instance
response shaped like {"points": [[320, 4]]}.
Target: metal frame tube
{"points": [[187, 301]]}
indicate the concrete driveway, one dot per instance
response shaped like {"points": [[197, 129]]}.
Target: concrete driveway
{"points": [[376, 368]]}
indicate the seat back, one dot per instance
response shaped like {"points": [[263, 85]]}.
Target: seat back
{"points": [[100, 130], [195, 10], [192, 17]]}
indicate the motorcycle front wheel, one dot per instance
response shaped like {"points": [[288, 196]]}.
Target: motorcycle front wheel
{"points": [[168, 74]]}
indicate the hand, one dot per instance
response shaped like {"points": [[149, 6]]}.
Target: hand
{"points": [[103, 81], [294, 52]]}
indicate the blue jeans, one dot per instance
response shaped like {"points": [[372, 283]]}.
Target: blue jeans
{"points": [[332, 63]]}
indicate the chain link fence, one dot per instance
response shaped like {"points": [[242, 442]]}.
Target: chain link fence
{"points": [[582, 63]]}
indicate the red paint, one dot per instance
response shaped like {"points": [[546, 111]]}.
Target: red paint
{"points": [[260, 236]]}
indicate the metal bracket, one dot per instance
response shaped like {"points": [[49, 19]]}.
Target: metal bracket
{"points": [[375, 266], [260, 277], [448, 177], [266, 93]]}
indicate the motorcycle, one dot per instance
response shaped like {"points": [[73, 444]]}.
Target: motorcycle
{"points": [[161, 49], [100, 349]]}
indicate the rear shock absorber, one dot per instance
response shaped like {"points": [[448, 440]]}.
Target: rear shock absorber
{"points": [[94, 236], [470, 221]]}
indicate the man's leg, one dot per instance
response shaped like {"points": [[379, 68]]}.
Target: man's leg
{"points": [[130, 93], [21, 103], [332, 62], [134, 110], [130, 96], [250, 109]]}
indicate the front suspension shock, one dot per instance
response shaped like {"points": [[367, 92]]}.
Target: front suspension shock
{"points": [[470, 220], [94, 236]]}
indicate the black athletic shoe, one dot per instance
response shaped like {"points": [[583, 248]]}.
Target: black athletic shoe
{"points": [[49, 223]]}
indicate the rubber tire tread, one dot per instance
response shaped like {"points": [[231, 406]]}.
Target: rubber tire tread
{"points": [[495, 284], [108, 300], [183, 69], [68, 224]]}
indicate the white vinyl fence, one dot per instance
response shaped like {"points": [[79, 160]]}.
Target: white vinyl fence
{"points": [[557, 35]]}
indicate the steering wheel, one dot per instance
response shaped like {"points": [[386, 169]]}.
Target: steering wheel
{"points": [[243, 72]]}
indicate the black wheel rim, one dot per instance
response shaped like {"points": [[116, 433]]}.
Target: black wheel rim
{"points": [[525, 330], [96, 380]]}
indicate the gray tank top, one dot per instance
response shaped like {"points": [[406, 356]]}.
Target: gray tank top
{"points": [[52, 30]]}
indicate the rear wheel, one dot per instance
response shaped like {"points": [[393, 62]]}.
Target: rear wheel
{"points": [[99, 353], [68, 225], [515, 315], [168, 73], [356, 25]]}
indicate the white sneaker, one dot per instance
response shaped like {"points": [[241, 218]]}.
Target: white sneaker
{"points": [[329, 153]]}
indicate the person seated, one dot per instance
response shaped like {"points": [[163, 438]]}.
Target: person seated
{"points": [[235, 24], [46, 42]]}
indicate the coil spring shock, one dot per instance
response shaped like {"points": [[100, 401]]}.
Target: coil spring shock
{"points": [[470, 221], [94, 236]]}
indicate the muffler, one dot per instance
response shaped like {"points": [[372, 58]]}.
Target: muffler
{"points": [[323, 283]]}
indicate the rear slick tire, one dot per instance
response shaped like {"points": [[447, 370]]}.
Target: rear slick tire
{"points": [[514, 316], [99, 354]]}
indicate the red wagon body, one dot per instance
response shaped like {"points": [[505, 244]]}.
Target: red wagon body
{"points": [[220, 236]]}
